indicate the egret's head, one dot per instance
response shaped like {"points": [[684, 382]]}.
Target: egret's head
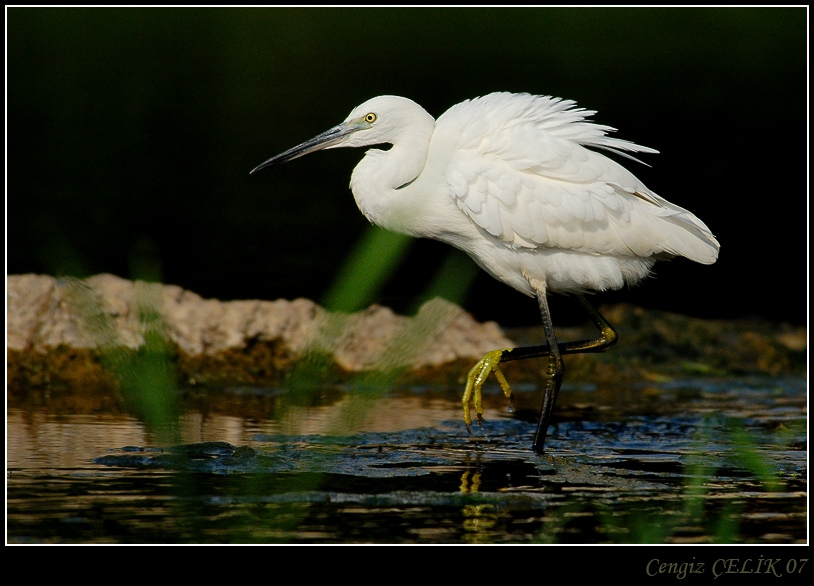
{"points": [[385, 119], [381, 120]]}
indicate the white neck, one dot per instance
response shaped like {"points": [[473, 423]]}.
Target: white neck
{"points": [[377, 178]]}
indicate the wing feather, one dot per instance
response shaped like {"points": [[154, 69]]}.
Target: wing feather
{"points": [[520, 170]]}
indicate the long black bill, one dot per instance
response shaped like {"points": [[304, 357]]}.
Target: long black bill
{"points": [[327, 139]]}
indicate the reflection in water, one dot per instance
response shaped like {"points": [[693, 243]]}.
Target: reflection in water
{"points": [[470, 481], [479, 523], [39, 441], [411, 473]]}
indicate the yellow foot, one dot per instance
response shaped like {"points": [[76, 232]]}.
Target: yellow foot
{"points": [[474, 382]]}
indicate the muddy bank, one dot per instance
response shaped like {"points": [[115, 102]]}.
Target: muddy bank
{"points": [[62, 333]]}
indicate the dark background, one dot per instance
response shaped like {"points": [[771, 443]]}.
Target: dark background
{"points": [[131, 132]]}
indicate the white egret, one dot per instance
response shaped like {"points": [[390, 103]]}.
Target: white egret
{"points": [[511, 180]]}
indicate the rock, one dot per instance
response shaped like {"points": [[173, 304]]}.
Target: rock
{"points": [[242, 342], [67, 332]]}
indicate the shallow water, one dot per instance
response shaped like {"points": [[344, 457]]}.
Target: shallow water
{"points": [[698, 461]]}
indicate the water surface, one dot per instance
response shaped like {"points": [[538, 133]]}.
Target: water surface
{"points": [[690, 461]]}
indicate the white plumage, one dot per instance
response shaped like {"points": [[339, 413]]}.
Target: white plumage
{"points": [[514, 181], [508, 178]]}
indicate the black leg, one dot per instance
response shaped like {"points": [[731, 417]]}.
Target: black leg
{"points": [[554, 372], [553, 377], [554, 351], [607, 338]]}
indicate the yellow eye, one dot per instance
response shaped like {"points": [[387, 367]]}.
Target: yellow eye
{"points": [[370, 118]]}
